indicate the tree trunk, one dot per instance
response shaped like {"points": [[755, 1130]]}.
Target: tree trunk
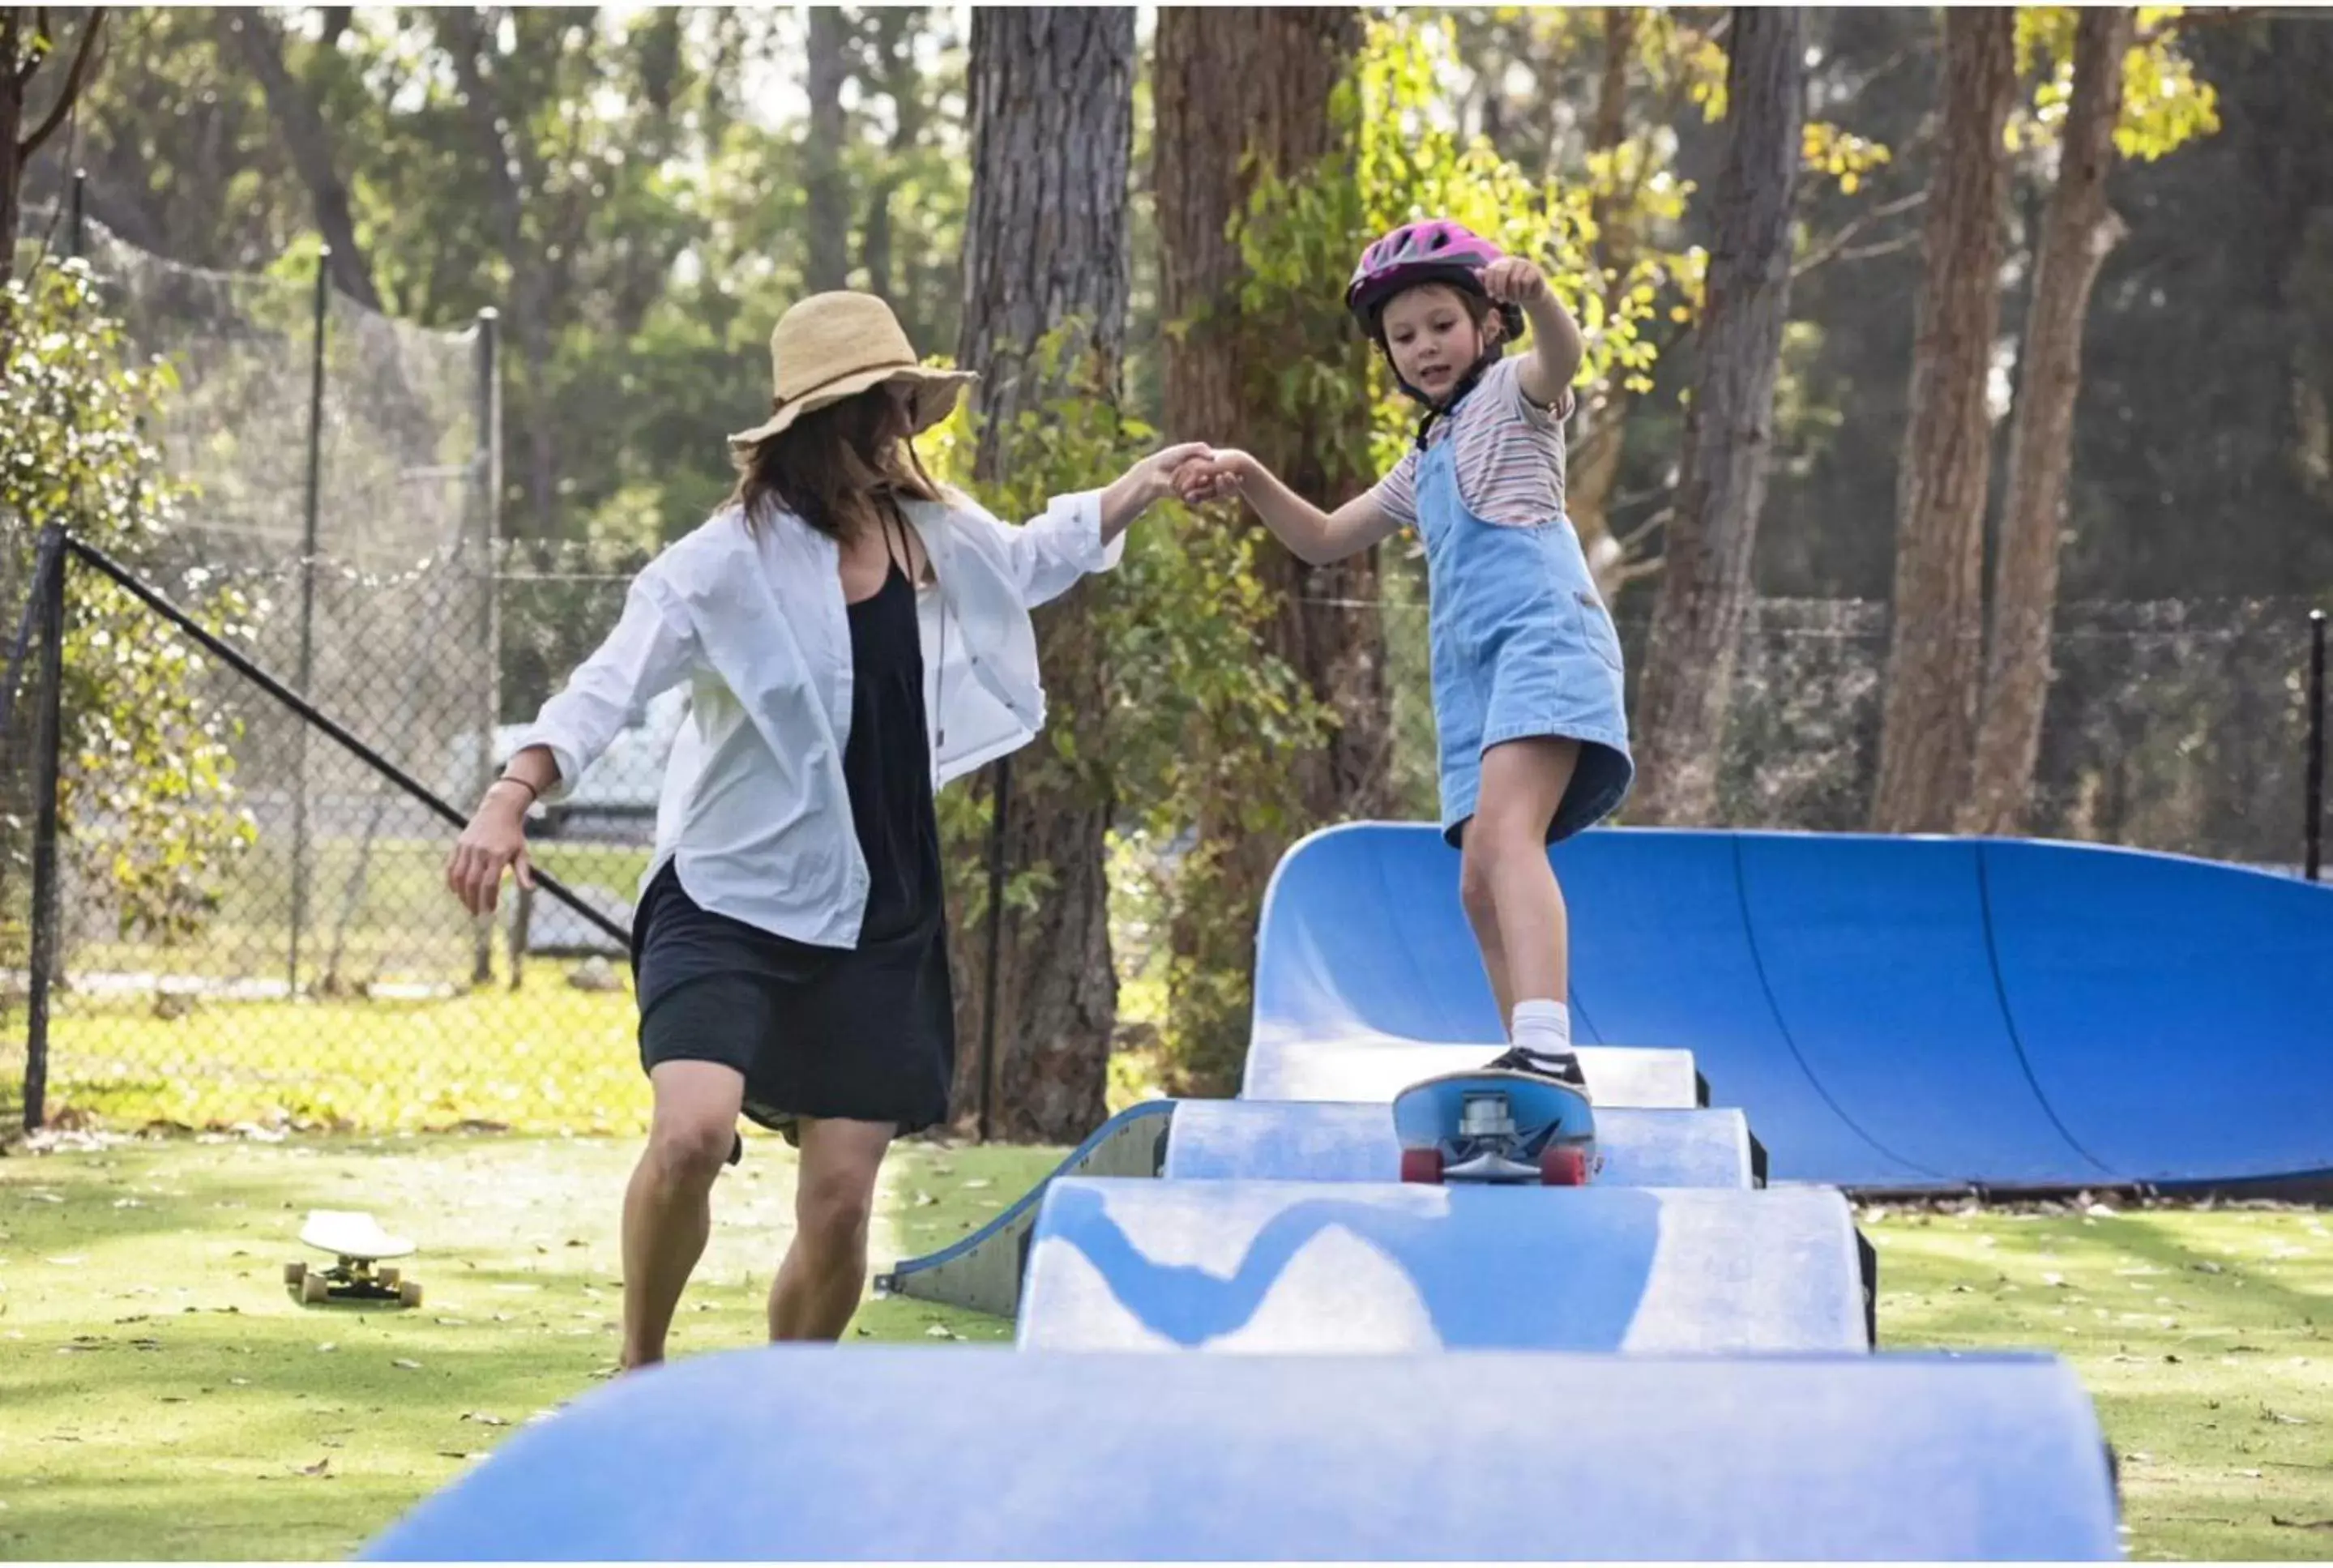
{"points": [[1229, 82], [1594, 469], [20, 25], [507, 157], [2078, 230], [12, 21], [827, 193], [1928, 725], [1052, 128], [252, 36], [1729, 434]]}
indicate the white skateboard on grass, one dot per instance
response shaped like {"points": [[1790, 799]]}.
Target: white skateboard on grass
{"points": [[357, 1240]]}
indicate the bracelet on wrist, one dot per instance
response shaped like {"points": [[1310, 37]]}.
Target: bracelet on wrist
{"points": [[532, 792]]}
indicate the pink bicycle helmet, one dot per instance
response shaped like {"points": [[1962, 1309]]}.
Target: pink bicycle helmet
{"points": [[1435, 251]]}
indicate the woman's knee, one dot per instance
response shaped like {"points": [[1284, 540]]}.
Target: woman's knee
{"points": [[694, 1125], [694, 1145], [832, 1208]]}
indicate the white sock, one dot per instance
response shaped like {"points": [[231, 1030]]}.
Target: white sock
{"points": [[1543, 1028]]}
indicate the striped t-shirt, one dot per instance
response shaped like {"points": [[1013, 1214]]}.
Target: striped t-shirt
{"points": [[1510, 454]]}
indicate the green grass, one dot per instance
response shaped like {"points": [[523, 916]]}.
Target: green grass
{"points": [[165, 1397], [2205, 1336]]}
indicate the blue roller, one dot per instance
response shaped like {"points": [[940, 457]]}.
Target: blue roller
{"points": [[1268, 1140], [905, 1453], [1258, 1267]]}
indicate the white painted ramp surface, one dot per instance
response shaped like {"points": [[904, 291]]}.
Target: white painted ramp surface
{"points": [[1329, 1140], [1303, 1266], [1366, 1066]]}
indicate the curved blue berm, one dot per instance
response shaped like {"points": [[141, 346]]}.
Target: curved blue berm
{"points": [[1892, 1014], [1330, 1140], [1266, 1267], [891, 1453]]}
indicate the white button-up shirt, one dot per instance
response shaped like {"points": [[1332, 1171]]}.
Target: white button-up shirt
{"points": [[754, 804]]}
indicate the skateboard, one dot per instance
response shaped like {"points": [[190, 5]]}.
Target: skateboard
{"points": [[1493, 1126], [357, 1240]]}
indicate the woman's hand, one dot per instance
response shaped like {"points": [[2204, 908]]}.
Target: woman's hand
{"points": [[1149, 481], [1224, 472], [494, 841]]}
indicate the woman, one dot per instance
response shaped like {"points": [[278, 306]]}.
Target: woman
{"points": [[852, 636]]}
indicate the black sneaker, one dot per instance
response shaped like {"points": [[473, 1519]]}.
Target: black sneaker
{"points": [[1563, 1068]]}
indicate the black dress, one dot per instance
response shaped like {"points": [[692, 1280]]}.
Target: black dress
{"points": [[866, 1032]]}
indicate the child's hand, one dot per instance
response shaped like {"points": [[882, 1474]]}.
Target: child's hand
{"points": [[1512, 281], [1153, 478], [1213, 478]]}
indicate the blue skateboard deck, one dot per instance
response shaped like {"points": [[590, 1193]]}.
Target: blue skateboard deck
{"points": [[1493, 1126]]}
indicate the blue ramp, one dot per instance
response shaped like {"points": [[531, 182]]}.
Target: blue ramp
{"points": [[907, 1453], [2177, 1014], [1268, 1140], [1263, 1267], [1891, 1014]]}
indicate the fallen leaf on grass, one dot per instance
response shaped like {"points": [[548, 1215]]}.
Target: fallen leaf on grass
{"points": [[941, 1332], [924, 1199], [484, 1420], [408, 1366], [322, 1468], [2302, 1523]]}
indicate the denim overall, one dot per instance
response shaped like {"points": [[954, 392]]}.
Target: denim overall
{"points": [[1523, 646]]}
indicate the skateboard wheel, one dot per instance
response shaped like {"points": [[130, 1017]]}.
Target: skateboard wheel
{"points": [[1563, 1165], [314, 1288], [294, 1273], [389, 1277], [408, 1293], [1422, 1165]]}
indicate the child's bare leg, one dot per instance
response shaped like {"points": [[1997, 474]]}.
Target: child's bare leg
{"points": [[1524, 782], [1482, 914]]}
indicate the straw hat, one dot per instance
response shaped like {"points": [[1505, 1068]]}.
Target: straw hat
{"points": [[832, 346]]}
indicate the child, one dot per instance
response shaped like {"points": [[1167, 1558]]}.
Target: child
{"points": [[1527, 691]]}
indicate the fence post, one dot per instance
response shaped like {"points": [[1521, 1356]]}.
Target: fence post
{"points": [[308, 609], [1000, 798], [486, 490], [2313, 813], [48, 744]]}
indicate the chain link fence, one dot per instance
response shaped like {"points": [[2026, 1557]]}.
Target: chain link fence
{"points": [[325, 975]]}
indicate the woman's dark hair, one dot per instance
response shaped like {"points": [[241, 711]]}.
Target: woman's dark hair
{"points": [[831, 467]]}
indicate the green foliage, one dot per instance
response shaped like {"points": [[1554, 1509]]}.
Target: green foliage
{"points": [[1399, 163], [2165, 104], [148, 797], [1181, 628]]}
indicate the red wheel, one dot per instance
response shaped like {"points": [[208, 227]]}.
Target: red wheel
{"points": [[1563, 1165], [1423, 1165]]}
